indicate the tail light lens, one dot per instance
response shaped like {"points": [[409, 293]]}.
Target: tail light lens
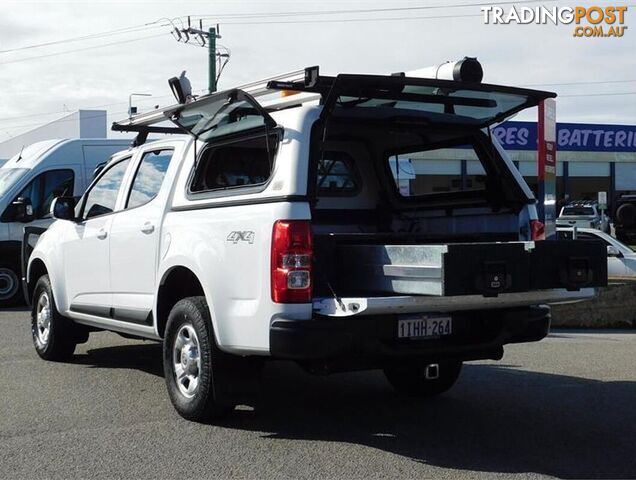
{"points": [[537, 230], [292, 258]]}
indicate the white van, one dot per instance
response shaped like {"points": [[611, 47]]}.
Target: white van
{"points": [[29, 182]]}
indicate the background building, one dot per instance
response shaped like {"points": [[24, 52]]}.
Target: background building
{"points": [[79, 124], [590, 158]]}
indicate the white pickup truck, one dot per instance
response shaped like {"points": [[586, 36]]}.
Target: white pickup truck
{"points": [[278, 229]]}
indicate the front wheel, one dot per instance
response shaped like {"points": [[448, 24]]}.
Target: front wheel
{"points": [[421, 380], [54, 336], [191, 361]]}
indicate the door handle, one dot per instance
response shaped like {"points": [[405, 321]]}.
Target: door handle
{"points": [[102, 234], [148, 228]]}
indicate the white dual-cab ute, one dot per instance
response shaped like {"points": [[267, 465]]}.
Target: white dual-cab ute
{"points": [[300, 219]]}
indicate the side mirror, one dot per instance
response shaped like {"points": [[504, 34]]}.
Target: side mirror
{"points": [[63, 208], [612, 251], [22, 210]]}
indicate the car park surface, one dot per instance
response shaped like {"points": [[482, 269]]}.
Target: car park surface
{"points": [[562, 407]]}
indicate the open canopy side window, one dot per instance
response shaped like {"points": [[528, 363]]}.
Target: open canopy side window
{"points": [[210, 117], [221, 114]]}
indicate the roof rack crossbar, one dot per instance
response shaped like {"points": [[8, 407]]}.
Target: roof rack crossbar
{"points": [[118, 127]]}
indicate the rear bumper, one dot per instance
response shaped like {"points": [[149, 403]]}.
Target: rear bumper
{"points": [[476, 335]]}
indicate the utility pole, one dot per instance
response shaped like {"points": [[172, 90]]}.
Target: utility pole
{"points": [[206, 38], [212, 60]]}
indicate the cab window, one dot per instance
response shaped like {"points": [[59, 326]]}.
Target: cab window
{"points": [[45, 187], [149, 177], [102, 197]]}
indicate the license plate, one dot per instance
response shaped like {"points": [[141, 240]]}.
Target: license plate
{"points": [[425, 326]]}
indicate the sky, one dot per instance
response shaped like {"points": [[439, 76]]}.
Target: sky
{"points": [[121, 47]]}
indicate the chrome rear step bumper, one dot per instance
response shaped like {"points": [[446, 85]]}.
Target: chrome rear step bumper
{"points": [[350, 306]]}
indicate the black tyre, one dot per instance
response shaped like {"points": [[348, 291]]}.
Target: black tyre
{"points": [[626, 214], [191, 361], [411, 380], [10, 286], [54, 336]]}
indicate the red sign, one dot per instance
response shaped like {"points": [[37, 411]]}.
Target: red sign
{"points": [[546, 150]]}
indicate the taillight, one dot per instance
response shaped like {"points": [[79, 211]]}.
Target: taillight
{"points": [[292, 258], [537, 230]]}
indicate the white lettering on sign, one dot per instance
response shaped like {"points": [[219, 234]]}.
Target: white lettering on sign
{"points": [[511, 135]]}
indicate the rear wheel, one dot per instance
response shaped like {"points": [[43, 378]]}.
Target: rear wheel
{"points": [[423, 380], [191, 361], [10, 287], [54, 336]]}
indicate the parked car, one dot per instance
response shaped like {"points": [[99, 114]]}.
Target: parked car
{"points": [[278, 230], [625, 219], [621, 259], [28, 183], [583, 214]]}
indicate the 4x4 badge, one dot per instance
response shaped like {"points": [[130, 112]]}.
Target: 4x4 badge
{"points": [[244, 236]]}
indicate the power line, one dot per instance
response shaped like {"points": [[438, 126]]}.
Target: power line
{"points": [[82, 49], [119, 31], [348, 20], [370, 10], [600, 82], [597, 94], [141, 27]]}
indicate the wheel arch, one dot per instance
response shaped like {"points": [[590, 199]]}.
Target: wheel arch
{"points": [[177, 282], [37, 268]]}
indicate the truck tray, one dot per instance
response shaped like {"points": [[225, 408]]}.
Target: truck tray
{"points": [[471, 268]]}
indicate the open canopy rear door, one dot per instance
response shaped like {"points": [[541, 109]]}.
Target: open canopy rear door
{"points": [[220, 114], [436, 101]]}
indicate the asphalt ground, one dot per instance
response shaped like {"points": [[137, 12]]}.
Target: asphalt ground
{"points": [[563, 407]]}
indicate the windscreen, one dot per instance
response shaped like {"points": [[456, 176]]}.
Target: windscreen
{"points": [[8, 178], [577, 211]]}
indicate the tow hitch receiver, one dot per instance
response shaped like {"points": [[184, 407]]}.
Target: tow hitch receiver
{"points": [[431, 372]]}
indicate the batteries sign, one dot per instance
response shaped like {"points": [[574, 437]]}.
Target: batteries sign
{"points": [[546, 150]]}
